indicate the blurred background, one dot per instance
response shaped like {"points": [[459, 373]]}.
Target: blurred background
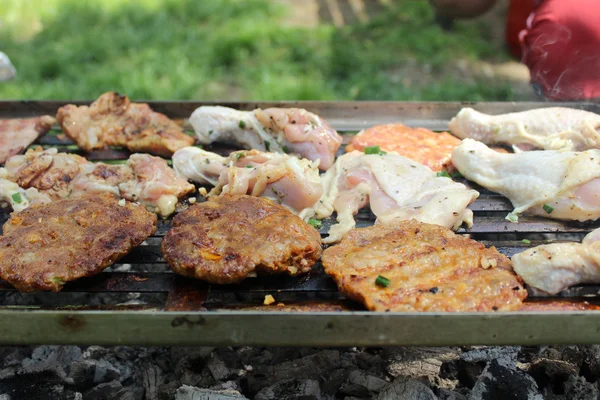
{"points": [[256, 50]]}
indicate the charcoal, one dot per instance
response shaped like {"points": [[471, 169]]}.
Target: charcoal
{"points": [[334, 380], [445, 394], [152, 378], [551, 375], [309, 367], [82, 374], [95, 352], [11, 356], [406, 389], [486, 354], [501, 379], [194, 393], [134, 393], [578, 388], [228, 385], [103, 391], [372, 363], [166, 391], [4, 397], [371, 384], [590, 364], [218, 369], [419, 362], [291, 390]]}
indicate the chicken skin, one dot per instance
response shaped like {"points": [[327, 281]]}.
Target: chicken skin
{"points": [[553, 184], [396, 188], [17, 134], [283, 130], [285, 179], [553, 128]]}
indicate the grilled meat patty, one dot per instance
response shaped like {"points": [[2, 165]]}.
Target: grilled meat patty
{"points": [[112, 120], [47, 245], [231, 237], [427, 268]]}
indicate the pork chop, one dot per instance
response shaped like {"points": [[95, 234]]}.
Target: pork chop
{"points": [[412, 266]]}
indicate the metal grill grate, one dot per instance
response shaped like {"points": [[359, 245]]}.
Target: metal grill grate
{"points": [[314, 312]]}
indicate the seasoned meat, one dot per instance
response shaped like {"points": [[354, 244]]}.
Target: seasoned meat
{"points": [[145, 178], [17, 134], [281, 130], [429, 268], [287, 180], [112, 120], [553, 128], [231, 237], [47, 245], [395, 187], [553, 184], [429, 148]]}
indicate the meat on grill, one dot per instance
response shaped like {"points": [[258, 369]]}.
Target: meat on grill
{"points": [[231, 237], [395, 187], [283, 130], [551, 183], [287, 180], [17, 134], [112, 120], [413, 266], [429, 148], [143, 178], [558, 266], [48, 245], [553, 128]]}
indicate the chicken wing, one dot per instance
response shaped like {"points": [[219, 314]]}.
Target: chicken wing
{"points": [[285, 179], [283, 130], [557, 266], [396, 188], [553, 128], [17, 134], [144, 178], [553, 184], [112, 120]]}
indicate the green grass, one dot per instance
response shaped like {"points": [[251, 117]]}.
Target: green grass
{"points": [[234, 50]]}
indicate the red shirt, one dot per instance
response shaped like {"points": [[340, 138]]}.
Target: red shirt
{"points": [[561, 47]]}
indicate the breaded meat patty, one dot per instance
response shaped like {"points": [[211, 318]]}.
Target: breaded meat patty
{"points": [[47, 245], [413, 266], [231, 237]]}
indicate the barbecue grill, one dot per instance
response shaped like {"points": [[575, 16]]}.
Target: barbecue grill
{"points": [[308, 310]]}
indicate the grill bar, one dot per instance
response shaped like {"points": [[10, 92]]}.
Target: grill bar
{"points": [[310, 310]]}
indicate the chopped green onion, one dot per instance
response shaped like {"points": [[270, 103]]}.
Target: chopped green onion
{"points": [[267, 145], [17, 198], [444, 174], [457, 175], [249, 166], [512, 218], [548, 208], [285, 149], [526, 241], [314, 223], [242, 124], [382, 281], [240, 155], [374, 150]]}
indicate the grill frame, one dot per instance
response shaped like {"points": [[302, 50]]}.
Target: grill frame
{"points": [[188, 317]]}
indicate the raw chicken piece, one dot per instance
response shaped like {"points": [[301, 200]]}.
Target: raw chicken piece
{"points": [[292, 182], [144, 178], [395, 187], [553, 184], [557, 266], [17, 134], [282, 130], [553, 128], [112, 120]]}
